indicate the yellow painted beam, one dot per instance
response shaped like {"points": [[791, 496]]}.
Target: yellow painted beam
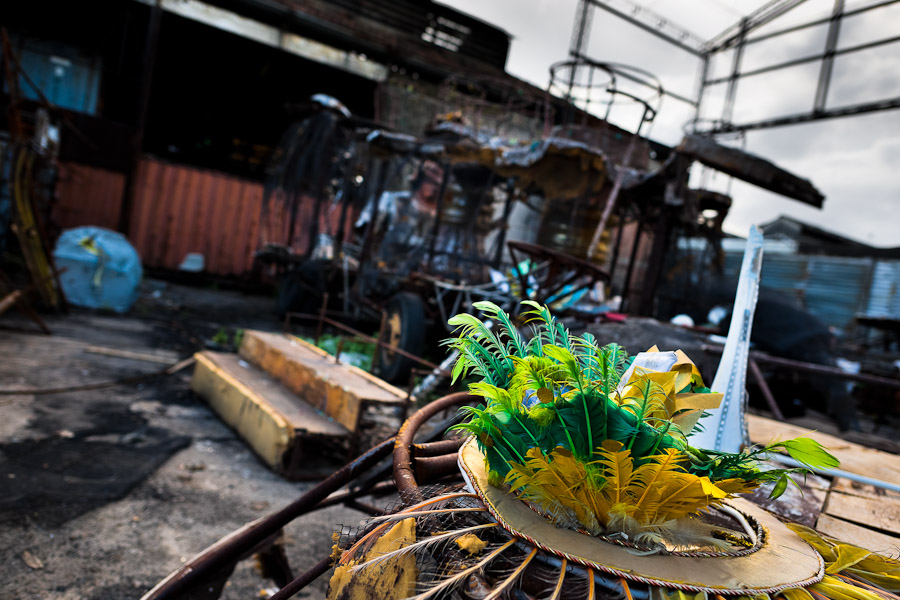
{"points": [[264, 429], [337, 389]]}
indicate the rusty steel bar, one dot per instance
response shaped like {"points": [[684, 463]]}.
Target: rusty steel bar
{"points": [[764, 388], [303, 580], [404, 475], [338, 350], [438, 448], [379, 489], [383, 470], [322, 311], [229, 549], [430, 468], [805, 367], [364, 507]]}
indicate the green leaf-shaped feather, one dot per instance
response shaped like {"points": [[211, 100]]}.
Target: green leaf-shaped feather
{"points": [[811, 453]]}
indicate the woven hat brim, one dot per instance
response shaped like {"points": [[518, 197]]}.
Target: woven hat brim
{"points": [[784, 561]]}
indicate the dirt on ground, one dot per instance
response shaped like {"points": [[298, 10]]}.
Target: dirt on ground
{"points": [[105, 492]]}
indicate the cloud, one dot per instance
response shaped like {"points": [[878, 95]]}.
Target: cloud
{"points": [[855, 172]]}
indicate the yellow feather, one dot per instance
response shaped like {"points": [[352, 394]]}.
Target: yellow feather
{"points": [[611, 495], [617, 471]]}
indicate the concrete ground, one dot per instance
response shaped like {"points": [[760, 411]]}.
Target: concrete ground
{"points": [[105, 492]]}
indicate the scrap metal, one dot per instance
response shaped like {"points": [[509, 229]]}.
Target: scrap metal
{"points": [[750, 168]]}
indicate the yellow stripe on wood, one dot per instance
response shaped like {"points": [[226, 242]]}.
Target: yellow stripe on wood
{"points": [[264, 429], [337, 389]]}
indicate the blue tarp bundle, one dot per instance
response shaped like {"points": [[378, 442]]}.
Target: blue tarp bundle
{"points": [[103, 270]]}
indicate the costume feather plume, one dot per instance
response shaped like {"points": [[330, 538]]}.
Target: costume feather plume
{"points": [[594, 451], [422, 545]]}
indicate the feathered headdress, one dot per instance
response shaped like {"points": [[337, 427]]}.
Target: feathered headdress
{"points": [[596, 440], [581, 481]]}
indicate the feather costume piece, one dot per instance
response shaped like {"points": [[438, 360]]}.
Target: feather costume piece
{"points": [[597, 441], [586, 485]]}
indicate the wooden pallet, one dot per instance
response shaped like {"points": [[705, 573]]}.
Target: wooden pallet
{"points": [[856, 513]]}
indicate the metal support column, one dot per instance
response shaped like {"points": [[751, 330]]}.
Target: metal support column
{"points": [[728, 109], [701, 86], [149, 62], [834, 29]]}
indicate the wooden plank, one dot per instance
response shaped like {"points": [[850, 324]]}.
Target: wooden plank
{"points": [[392, 391], [259, 408], [264, 429], [853, 488], [881, 513], [801, 504], [166, 359], [854, 458], [858, 535], [339, 390]]}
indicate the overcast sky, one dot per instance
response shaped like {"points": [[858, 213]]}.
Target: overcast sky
{"points": [[854, 161]]}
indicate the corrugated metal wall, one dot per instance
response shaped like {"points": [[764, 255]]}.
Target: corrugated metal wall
{"points": [[88, 196], [833, 289], [837, 288], [884, 297], [64, 75], [178, 210]]}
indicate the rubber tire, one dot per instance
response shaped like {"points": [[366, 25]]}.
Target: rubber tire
{"points": [[410, 309]]}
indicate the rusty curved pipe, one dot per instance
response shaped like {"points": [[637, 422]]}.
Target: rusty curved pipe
{"points": [[431, 468], [404, 476], [438, 448]]}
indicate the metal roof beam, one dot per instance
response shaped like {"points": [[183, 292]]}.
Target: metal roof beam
{"points": [[765, 14], [822, 21], [833, 113], [654, 23], [807, 59]]}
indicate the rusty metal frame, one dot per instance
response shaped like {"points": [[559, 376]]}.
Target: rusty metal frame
{"points": [[736, 38], [819, 110]]}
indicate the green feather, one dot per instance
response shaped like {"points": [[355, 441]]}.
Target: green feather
{"points": [[515, 345]]}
